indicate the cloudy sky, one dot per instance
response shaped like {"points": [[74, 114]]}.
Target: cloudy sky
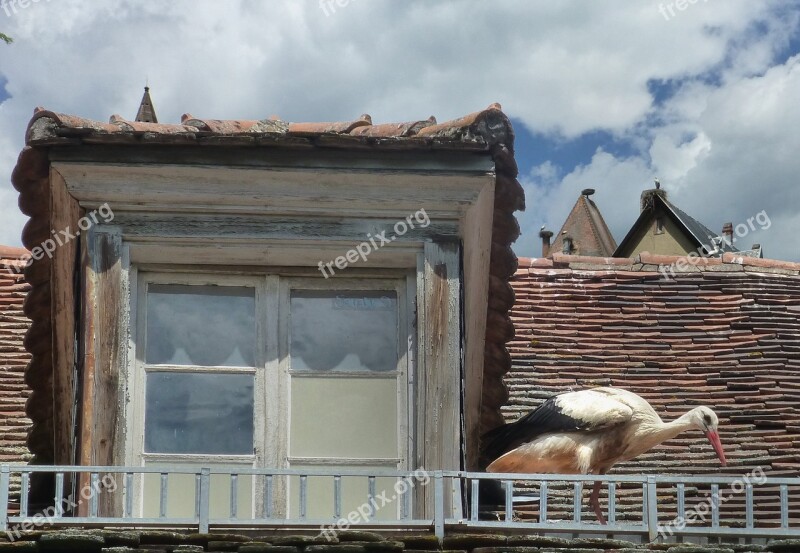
{"points": [[603, 95]]}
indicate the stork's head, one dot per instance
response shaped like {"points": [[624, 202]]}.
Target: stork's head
{"points": [[706, 420]]}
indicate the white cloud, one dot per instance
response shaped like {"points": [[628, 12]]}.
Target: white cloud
{"points": [[617, 184], [562, 68]]}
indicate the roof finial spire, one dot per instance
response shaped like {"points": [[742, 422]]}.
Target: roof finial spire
{"points": [[146, 113]]}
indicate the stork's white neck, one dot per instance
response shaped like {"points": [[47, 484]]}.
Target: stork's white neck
{"points": [[658, 431]]}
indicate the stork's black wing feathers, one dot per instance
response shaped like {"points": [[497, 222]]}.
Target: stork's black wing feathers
{"points": [[546, 418]]}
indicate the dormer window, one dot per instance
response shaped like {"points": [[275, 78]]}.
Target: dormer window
{"points": [[197, 327], [566, 245]]}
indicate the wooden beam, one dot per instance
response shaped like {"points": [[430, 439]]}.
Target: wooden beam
{"points": [[477, 250], [297, 253], [162, 188], [105, 352], [243, 227], [65, 213], [439, 381], [431, 160]]}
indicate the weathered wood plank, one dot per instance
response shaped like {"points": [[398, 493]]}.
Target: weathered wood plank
{"points": [[276, 254], [440, 347], [65, 213], [105, 343], [170, 187], [477, 248], [279, 157], [277, 227]]}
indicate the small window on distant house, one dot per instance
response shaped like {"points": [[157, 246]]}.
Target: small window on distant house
{"points": [[659, 226], [566, 245]]}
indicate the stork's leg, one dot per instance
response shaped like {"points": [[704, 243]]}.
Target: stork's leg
{"points": [[594, 501]]}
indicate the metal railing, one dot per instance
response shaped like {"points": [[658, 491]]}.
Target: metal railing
{"points": [[651, 507]]}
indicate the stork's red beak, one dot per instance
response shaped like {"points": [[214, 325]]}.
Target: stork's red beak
{"points": [[713, 437]]}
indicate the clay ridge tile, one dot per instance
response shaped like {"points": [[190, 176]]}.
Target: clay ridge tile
{"points": [[730, 262], [47, 124], [737, 259], [482, 129], [236, 126], [154, 128], [476, 126], [389, 130], [341, 127]]}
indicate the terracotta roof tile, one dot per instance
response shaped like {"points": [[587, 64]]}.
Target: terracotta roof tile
{"points": [[123, 125], [394, 129], [222, 126], [480, 130], [14, 324], [344, 127], [726, 336], [588, 230]]}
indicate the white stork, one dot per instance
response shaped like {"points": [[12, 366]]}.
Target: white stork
{"points": [[587, 432]]}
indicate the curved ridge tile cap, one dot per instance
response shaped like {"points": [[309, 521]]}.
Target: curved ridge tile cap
{"points": [[124, 125], [341, 127], [394, 130], [235, 126], [490, 125], [48, 125]]}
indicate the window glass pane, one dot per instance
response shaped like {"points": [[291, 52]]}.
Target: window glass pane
{"points": [[199, 413], [344, 417], [201, 325], [344, 330]]}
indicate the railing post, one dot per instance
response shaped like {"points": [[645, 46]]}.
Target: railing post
{"points": [[438, 504], [5, 480], [652, 508], [205, 492]]}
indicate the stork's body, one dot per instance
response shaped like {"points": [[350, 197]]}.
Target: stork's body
{"points": [[587, 432]]}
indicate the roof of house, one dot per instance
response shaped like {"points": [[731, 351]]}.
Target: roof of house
{"points": [[487, 132], [13, 358], [696, 231], [477, 131], [721, 332], [588, 230]]}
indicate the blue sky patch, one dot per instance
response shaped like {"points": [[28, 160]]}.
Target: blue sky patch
{"points": [[4, 95], [533, 149]]}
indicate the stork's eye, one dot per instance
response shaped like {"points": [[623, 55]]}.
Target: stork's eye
{"points": [[707, 418]]}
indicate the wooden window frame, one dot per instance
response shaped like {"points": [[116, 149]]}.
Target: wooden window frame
{"points": [[271, 418]]}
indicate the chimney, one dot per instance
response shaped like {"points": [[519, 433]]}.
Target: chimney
{"points": [[545, 235], [727, 232]]}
